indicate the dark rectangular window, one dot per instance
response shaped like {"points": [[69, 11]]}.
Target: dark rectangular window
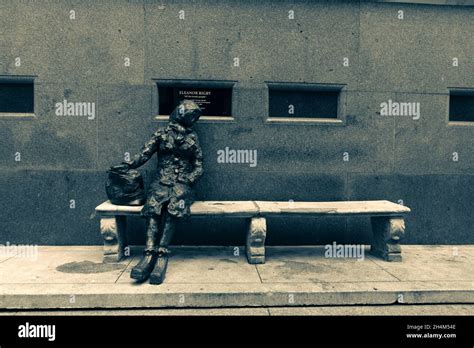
{"points": [[304, 102], [16, 97], [213, 101], [461, 105]]}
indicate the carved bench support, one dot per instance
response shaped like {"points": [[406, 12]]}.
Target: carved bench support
{"points": [[255, 246], [387, 233], [112, 229]]}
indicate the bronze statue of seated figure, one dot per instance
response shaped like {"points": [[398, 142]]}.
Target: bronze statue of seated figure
{"points": [[170, 195]]}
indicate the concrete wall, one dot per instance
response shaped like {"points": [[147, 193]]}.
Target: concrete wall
{"points": [[64, 158]]}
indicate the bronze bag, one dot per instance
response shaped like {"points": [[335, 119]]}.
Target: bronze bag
{"points": [[125, 186]]}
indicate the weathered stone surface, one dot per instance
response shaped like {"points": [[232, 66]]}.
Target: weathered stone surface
{"points": [[218, 208], [249, 208], [386, 230], [384, 310], [113, 231], [332, 208], [384, 37], [387, 233], [255, 245], [227, 280]]}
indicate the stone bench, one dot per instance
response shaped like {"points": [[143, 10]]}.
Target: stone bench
{"points": [[387, 219]]}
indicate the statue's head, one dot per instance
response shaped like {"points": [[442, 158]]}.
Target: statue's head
{"points": [[186, 113]]}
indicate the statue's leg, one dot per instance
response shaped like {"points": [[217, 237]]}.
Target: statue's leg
{"points": [[152, 233], [158, 274], [143, 269], [169, 223]]}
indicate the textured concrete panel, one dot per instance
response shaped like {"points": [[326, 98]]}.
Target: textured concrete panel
{"points": [[312, 148], [40, 209], [269, 45], [299, 187], [415, 54], [125, 121], [431, 145], [82, 60], [92, 47], [50, 141]]}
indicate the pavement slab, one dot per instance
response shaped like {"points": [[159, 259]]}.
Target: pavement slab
{"points": [[425, 310], [74, 278], [433, 263], [211, 265], [61, 265], [433, 310], [308, 264]]}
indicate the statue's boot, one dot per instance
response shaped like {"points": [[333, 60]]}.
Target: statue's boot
{"points": [[157, 276], [142, 270]]}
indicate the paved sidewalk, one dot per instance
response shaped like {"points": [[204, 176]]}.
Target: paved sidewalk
{"points": [[382, 310], [73, 277]]}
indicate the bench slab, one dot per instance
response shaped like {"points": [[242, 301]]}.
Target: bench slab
{"points": [[387, 219], [252, 208], [372, 208], [198, 208]]}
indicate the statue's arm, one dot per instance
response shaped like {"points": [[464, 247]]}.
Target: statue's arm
{"points": [[146, 152], [197, 171]]}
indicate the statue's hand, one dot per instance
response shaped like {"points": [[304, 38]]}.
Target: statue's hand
{"points": [[184, 179], [120, 167]]}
